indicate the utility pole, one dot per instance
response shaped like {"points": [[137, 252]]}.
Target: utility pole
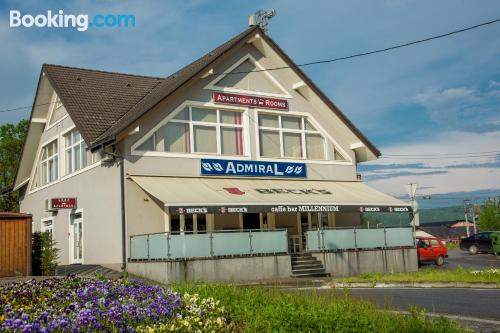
{"points": [[466, 219], [412, 190], [474, 216]]}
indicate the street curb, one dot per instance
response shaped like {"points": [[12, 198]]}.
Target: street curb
{"points": [[415, 285]]}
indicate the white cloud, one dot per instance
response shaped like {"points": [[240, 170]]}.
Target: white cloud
{"points": [[455, 179], [462, 108]]}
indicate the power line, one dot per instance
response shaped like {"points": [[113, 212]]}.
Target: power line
{"points": [[449, 155], [390, 48], [329, 60], [25, 107], [438, 158]]}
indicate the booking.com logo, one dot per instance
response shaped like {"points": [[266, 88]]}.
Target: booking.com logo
{"points": [[61, 20]]}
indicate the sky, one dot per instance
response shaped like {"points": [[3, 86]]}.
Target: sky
{"points": [[440, 97]]}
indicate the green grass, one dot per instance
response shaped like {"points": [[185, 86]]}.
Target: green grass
{"points": [[429, 275], [453, 246], [257, 309]]}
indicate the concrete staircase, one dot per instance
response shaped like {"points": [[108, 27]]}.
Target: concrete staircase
{"points": [[305, 265], [87, 270]]}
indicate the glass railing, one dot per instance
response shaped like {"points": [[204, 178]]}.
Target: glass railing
{"points": [[161, 246], [358, 238]]}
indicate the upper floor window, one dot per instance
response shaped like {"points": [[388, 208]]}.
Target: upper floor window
{"points": [[289, 137], [57, 103], [199, 130], [76, 153], [49, 163]]}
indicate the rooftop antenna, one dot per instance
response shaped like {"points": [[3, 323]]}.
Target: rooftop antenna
{"points": [[261, 18]]}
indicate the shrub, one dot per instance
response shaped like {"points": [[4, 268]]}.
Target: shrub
{"points": [[50, 254], [36, 254]]}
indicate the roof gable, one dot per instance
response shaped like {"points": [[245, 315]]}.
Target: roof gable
{"points": [[172, 83], [248, 76]]}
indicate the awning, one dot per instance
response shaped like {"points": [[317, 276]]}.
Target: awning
{"points": [[187, 195]]}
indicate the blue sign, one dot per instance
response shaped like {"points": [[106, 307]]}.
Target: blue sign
{"points": [[213, 167]]}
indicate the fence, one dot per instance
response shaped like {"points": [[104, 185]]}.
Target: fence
{"points": [[15, 244], [358, 238], [185, 245]]}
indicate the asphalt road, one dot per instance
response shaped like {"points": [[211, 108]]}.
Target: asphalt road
{"points": [[461, 258], [478, 303]]}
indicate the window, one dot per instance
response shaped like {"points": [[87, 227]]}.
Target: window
{"points": [[290, 137], [199, 130], [48, 226], [49, 163], [435, 243], [76, 153], [57, 103], [424, 243]]}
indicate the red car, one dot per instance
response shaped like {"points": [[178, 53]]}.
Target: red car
{"points": [[431, 249]]}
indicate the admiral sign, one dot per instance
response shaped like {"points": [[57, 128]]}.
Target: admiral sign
{"points": [[254, 101], [216, 167]]}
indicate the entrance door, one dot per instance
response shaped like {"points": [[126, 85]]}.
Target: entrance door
{"points": [[76, 238]]}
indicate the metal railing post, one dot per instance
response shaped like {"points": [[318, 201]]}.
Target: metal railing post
{"points": [[211, 244], [148, 246], [250, 240], [168, 246], [355, 239], [130, 247], [385, 237], [322, 239]]}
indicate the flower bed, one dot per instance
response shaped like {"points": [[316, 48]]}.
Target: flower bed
{"points": [[75, 304]]}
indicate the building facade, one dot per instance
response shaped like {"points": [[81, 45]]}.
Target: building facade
{"points": [[223, 164]]}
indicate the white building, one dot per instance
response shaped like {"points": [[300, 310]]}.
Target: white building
{"points": [[194, 160]]}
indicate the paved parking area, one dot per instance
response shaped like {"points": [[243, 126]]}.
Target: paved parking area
{"points": [[465, 260]]}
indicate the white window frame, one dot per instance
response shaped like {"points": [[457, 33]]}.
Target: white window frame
{"points": [[190, 104], [212, 85], [47, 160], [55, 103], [34, 172], [71, 148], [43, 228], [71, 242], [302, 131], [327, 138]]}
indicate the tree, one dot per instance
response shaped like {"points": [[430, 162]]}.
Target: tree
{"points": [[11, 145], [49, 255], [489, 218]]}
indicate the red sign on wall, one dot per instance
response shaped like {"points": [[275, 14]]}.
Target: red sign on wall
{"points": [[255, 101], [63, 203]]}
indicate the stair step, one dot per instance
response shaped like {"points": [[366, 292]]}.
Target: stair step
{"points": [[310, 275], [318, 265], [306, 262], [295, 256], [305, 270], [307, 265], [87, 270]]}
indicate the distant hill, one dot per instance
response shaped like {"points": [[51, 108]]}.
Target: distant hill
{"points": [[426, 216]]}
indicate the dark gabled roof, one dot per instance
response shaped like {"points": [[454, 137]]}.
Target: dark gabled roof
{"points": [[96, 100], [103, 104]]}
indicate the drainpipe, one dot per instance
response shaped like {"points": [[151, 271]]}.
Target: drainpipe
{"points": [[122, 198], [122, 204]]}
